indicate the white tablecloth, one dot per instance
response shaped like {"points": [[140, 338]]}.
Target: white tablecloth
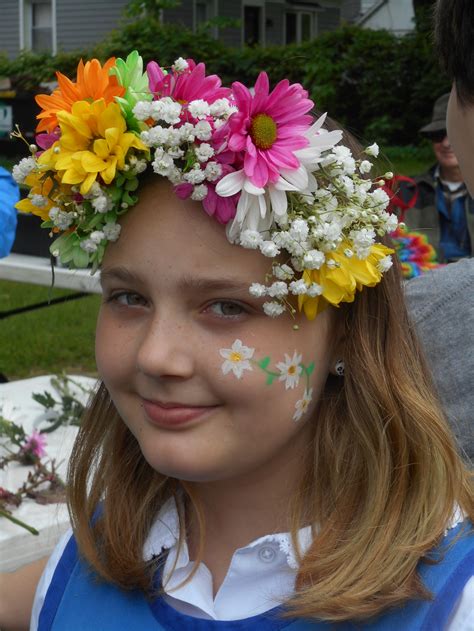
{"points": [[18, 546]]}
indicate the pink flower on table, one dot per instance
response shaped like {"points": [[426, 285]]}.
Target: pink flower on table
{"points": [[189, 85], [269, 127], [35, 445]]}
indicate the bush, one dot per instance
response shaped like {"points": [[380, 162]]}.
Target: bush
{"points": [[379, 86]]}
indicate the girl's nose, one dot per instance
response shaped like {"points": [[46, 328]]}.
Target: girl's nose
{"points": [[164, 349]]}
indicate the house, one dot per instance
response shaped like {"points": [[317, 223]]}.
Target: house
{"points": [[67, 25], [397, 16]]}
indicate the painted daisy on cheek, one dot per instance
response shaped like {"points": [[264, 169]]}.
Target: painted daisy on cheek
{"points": [[236, 358], [302, 405], [290, 370]]}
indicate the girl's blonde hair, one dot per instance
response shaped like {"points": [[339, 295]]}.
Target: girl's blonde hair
{"points": [[382, 476]]}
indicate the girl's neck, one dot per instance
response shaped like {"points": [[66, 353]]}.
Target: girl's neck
{"points": [[241, 510]]}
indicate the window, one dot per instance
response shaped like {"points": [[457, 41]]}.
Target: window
{"points": [[204, 10], [299, 27], [37, 19], [252, 25]]}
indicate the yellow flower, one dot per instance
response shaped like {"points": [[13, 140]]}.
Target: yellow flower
{"points": [[94, 142], [340, 283], [40, 186]]}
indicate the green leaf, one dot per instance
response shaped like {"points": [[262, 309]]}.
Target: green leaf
{"points": [[309, 369], [80, 257], [263, 363], [270, 379]]}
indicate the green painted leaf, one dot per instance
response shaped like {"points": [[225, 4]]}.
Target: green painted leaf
{"points": [[270, 379], [310, 369], [263, 363]]}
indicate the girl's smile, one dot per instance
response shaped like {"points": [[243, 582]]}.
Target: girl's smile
{"points": [[175, 415]]}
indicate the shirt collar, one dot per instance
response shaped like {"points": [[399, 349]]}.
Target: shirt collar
{"points": [[164, 535]]}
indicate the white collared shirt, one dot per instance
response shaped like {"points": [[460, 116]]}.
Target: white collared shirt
{"points": [[261, 576]]}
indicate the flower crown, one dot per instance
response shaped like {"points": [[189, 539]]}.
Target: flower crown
{"points": [[256, 159]]}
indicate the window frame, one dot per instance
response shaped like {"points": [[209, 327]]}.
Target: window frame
{"points": [[299, 12], [26, 24]]}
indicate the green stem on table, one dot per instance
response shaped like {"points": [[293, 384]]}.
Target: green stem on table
{"points": [[18, 522]]}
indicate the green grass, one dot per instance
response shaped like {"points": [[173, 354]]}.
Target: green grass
{"points": [[49, 340], [407, 160]]}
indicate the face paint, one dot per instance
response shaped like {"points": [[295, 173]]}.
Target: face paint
{"points": [[239, 358]]}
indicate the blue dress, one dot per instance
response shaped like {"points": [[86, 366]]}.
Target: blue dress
{"points": [[76, 601], [9, 195]]}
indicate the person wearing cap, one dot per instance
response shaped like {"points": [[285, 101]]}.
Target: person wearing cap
{"points": [[444, 210]]}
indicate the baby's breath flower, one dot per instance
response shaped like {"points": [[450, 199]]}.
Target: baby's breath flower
{"points": [[112, 231], [268, 248], [373, 150], [199, 109], [199, 193], [278, 289], [257, 290], [385, 264], [203, 130], [204, 152], [273, 309], [250, 239], [365, 166], [180, 65], [23, 169], [298, 287], [283, 272]]}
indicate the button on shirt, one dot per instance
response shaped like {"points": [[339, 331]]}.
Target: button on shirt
{"points": [[261, 576]]}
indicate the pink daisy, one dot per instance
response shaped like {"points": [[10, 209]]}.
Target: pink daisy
{"points": [[269, 127], [187, 86]]}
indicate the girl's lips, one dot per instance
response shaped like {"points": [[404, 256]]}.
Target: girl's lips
{"points": [[174, 414]]}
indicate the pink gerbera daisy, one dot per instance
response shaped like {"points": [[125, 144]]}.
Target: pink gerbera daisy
{"points": [[269, 127], [189, 85]]}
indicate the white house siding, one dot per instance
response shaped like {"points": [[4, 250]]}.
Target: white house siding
{"points": [[83, 23], [9, 27], [182, 14], [394, 15]]}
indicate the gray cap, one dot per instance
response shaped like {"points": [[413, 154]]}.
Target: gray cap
{"points": [[438, 119]]}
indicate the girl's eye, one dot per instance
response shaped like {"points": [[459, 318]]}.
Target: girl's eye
{"points": [[128, 299], [226, 309]]}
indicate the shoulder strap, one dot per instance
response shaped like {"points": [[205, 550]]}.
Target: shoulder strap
{"points": [[76, 600]]}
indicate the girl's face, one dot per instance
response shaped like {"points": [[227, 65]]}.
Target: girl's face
{"points": [[210, 386]]}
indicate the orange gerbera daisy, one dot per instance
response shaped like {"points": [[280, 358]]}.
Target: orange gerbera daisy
{"points": [[93, 82]]}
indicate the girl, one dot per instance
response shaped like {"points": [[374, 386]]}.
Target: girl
{"points": [[265, 449]]}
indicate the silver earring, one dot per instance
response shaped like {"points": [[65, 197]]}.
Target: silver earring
{"points": [[339, 368]]}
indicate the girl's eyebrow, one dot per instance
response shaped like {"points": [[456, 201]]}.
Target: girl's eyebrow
{"points": [[186, 283]]}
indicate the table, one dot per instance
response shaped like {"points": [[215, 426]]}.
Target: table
{"points": [[37, 270], [18, 546]]}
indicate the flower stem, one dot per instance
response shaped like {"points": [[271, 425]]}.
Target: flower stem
{"points": [[18, 522]]}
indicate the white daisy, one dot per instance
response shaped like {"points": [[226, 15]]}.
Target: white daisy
{"points": [[302, 405], [236, 358], [290, 370]]}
